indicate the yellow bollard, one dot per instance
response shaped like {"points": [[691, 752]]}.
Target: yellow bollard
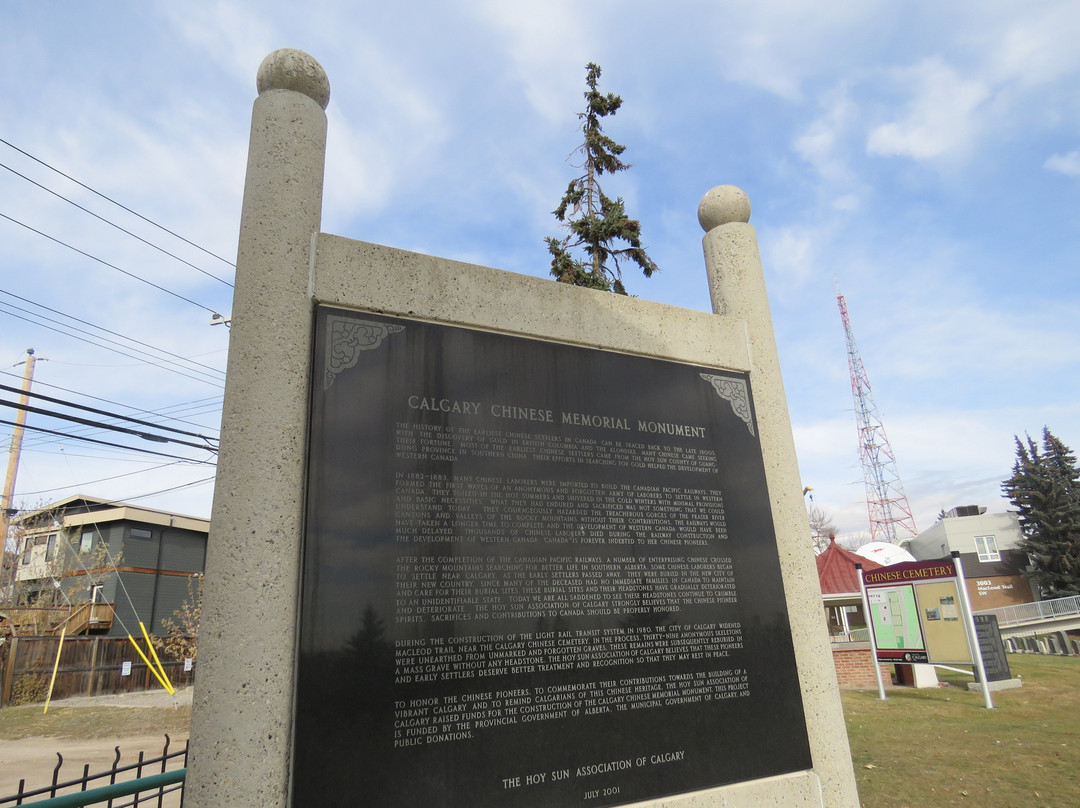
{"points": [[55, 668], [153, 653], [150, 665]]}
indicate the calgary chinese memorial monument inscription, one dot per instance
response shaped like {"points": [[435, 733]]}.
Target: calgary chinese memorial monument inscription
{"points": [[481, 539]]}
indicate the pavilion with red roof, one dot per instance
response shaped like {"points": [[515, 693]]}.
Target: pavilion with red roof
{"points": [[839, 582]]}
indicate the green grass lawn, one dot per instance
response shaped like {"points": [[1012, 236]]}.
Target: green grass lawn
{"points": [[918, 749], [938, 747], [92, 722]]}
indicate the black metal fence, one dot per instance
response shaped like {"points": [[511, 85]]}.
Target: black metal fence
{"points": [[145, 769]]}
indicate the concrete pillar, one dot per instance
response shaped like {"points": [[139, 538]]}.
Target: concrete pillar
{"points": [[737, 286], [242, 719]]}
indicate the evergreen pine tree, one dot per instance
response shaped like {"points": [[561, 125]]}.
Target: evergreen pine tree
{"points": [[1045, 488], [596, 222]]}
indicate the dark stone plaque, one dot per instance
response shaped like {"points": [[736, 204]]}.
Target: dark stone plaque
{"points": [[992, 649], [534, 575]]}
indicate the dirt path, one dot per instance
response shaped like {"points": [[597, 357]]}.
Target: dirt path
{"points": [[35, 758]]}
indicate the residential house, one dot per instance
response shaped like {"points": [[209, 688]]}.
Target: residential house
{"points": [[84, 550]]}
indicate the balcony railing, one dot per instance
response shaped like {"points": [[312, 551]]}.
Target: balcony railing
{"points": [[31, 621], [855, 635]]}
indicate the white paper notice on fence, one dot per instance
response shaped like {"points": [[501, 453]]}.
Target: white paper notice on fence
{"points": [[188, 662], [125, 669]]}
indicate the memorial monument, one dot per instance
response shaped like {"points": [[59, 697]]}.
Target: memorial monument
{"points": [[482, 539]]}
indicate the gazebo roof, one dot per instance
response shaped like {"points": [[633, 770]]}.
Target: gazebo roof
{"points": [[836, 570]]}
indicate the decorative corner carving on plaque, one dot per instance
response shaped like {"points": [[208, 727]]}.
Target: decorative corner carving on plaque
{"points": [[348, 337], [736, 392]]}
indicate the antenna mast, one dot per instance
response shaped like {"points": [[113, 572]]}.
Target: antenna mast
{"points": [[886, 502]]}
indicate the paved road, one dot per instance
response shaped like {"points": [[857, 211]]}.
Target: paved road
{"points": [[35, 758]]}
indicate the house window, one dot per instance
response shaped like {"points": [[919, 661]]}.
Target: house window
{"points": [[87, 542], [50, 548], [140, 533], [986, 547], [27, 544]]}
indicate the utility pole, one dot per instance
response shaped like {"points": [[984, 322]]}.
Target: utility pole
{"points": [[6, 511]]}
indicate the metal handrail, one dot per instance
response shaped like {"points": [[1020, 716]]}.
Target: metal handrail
{"points": [[88, 614], [1039, 610]]}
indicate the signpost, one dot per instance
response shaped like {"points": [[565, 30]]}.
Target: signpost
{"points": [[918, 613]]}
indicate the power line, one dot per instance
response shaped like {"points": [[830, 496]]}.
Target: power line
{"points": [[99, 425], [107, 454], [194, 365], [119, 205], [114, 445], [140, 356], [106, 330], [102, 480], [159, 362], [192, 484], [161, 365], [106, 263], [44, 443], [118, 227], [197, 401], [106, 413]]}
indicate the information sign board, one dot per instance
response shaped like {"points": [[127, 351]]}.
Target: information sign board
{"points": [[535, 574], [995, 660], [915, 613]]}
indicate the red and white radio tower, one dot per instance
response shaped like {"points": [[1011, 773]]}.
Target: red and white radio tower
{"points": [[886, 501]]}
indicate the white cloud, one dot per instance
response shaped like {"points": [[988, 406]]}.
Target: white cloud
{"points": [[821, 143], [941, 117], [448, 132], [227, 32], [827, 145], [1068, 164], [1036, 47], [790, 252], [931, 341], [546, 46], [945, 458], [780, 45], [847, 203]]}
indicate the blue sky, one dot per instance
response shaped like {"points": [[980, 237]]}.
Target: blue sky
{"points": [[925, 155]]}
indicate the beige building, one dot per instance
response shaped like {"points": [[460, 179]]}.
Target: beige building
{"points": [[988, 544]]}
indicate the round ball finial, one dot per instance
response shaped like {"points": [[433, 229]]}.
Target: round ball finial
{"points": [[291, 69], [723, 204]]}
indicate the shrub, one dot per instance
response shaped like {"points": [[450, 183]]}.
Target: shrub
{"points": [[29, 688]]}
